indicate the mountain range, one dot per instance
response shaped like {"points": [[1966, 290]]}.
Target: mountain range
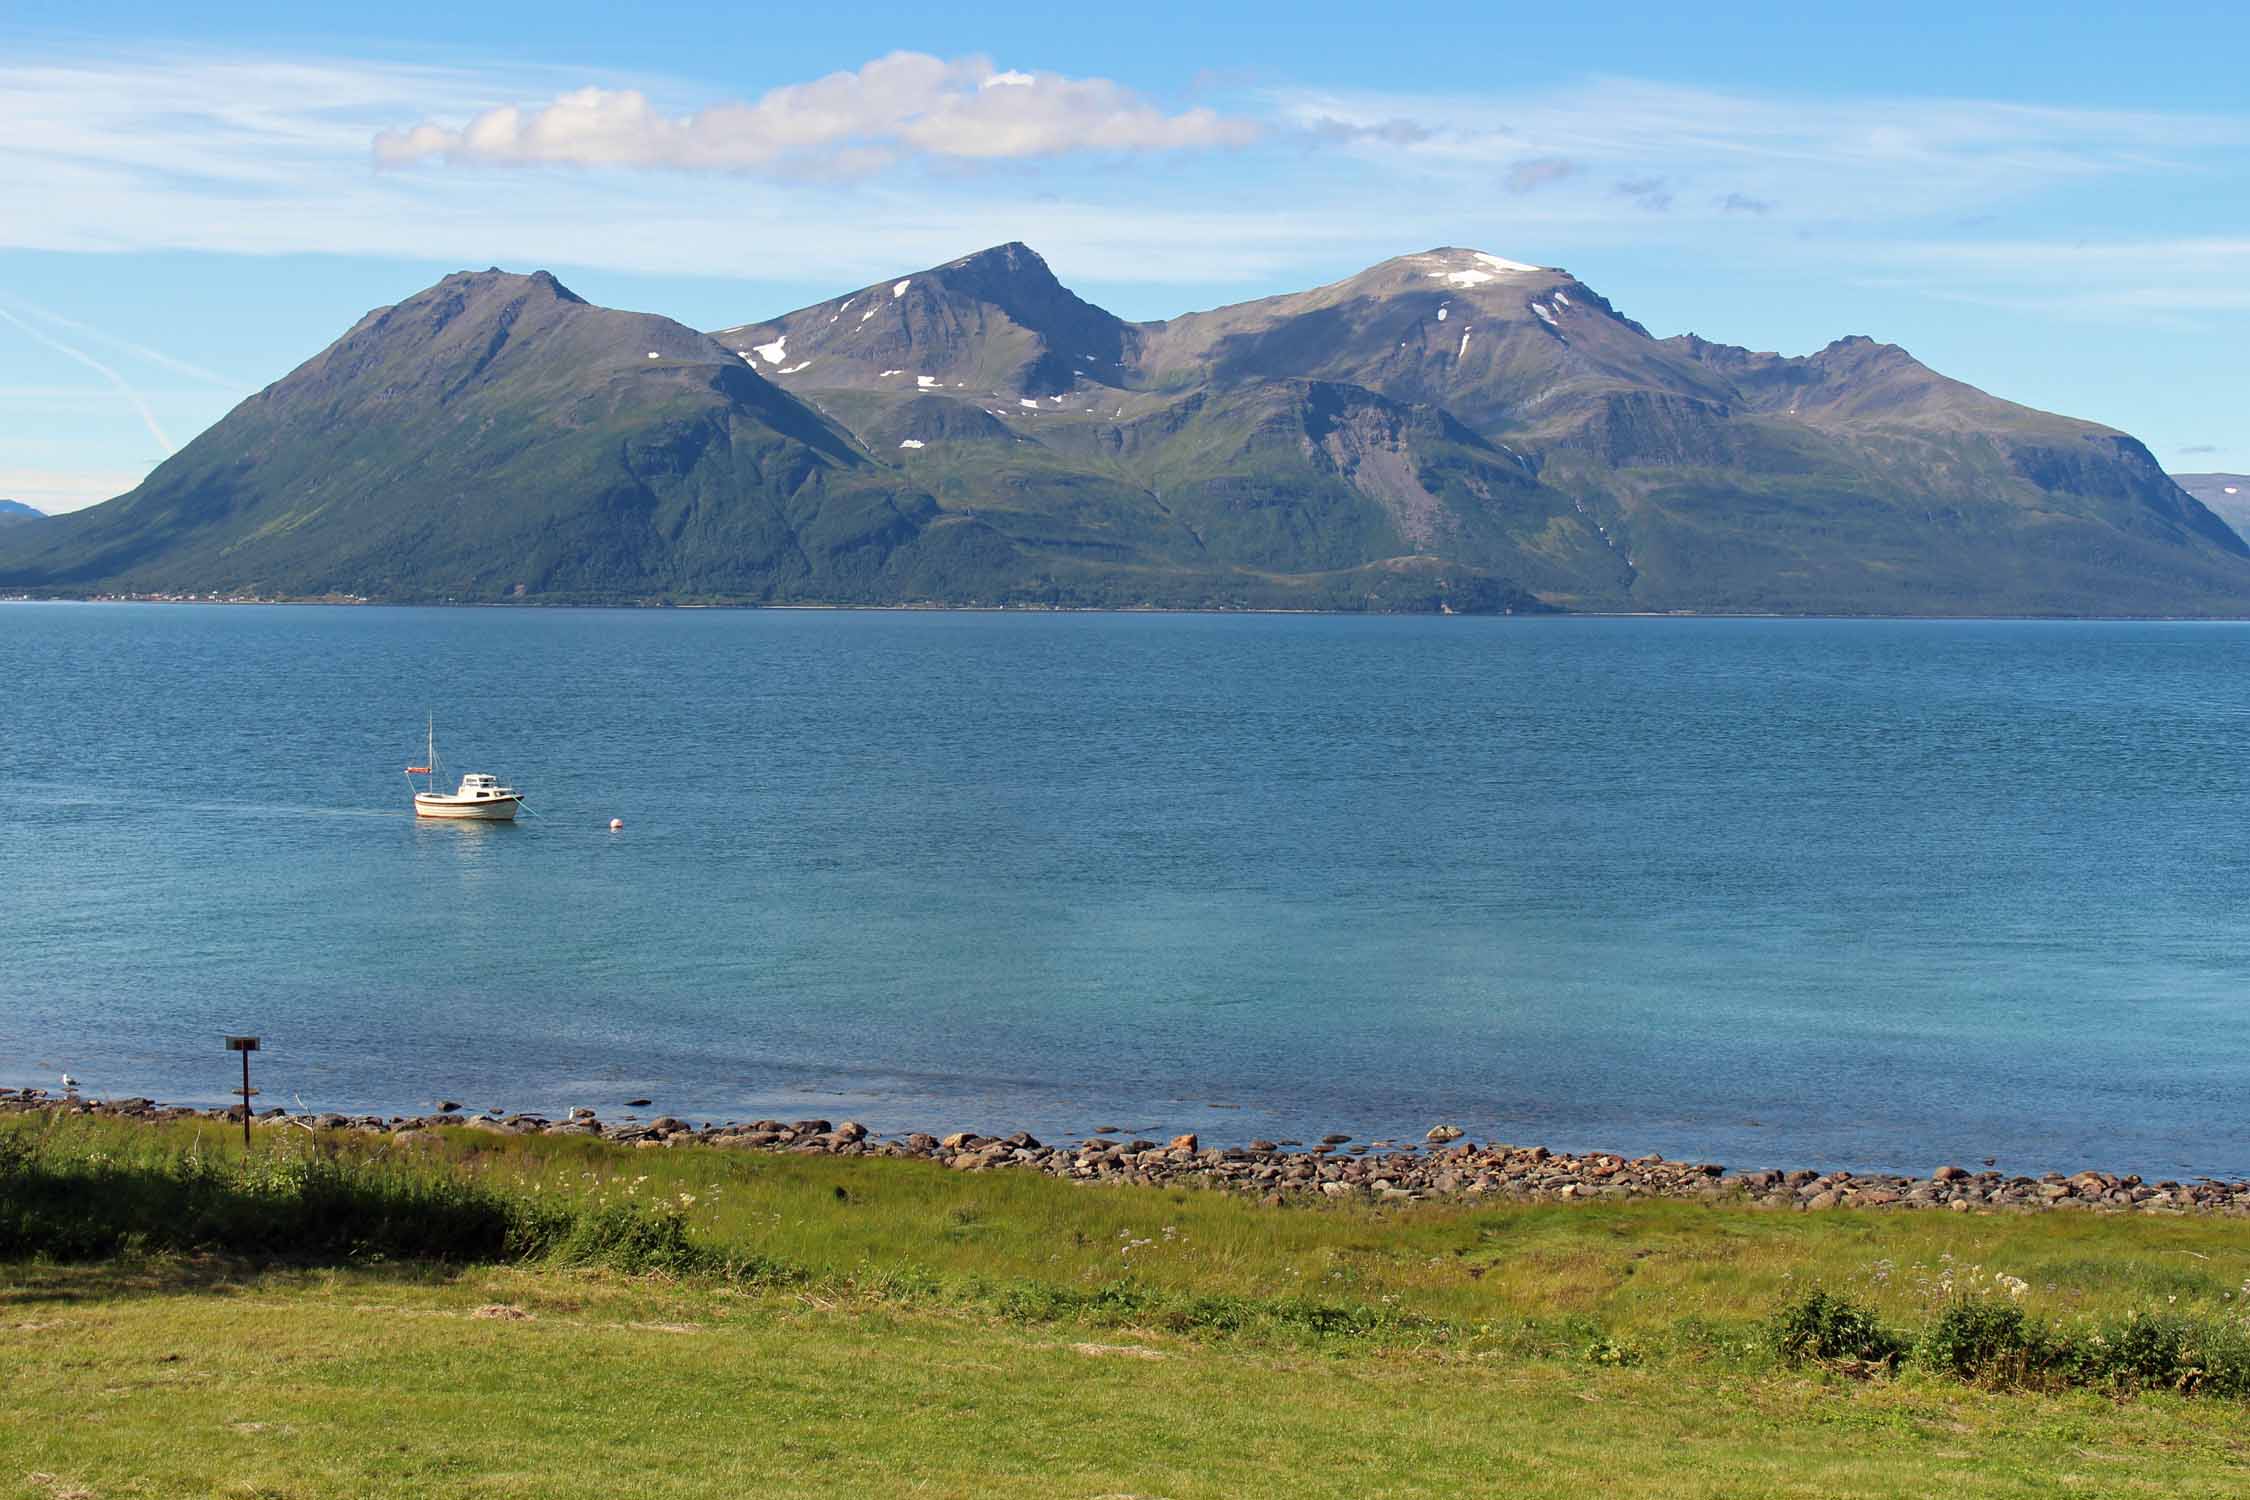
{"points": [[14, 511], [1445, 430]]}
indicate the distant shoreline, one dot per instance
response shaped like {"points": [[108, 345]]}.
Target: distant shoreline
{"points": [[627, 606], [1444, 1165]]}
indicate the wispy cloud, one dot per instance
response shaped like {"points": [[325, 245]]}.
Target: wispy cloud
{"points": [[1329, 132], [1537, 172], [1859, 157], [222, 154], [908, 103], [1646, 192], [117, 382], [841, 178], [2122, 279], [128, 346]]}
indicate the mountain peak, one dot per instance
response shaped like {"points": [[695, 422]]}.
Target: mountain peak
{"points": [[1013, 256], [1859, 345], [992, 323], [1010, 276], [1455, 266], [492, 278]]}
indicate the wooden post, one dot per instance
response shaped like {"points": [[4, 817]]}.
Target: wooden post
{"points": [[244, 1045]]}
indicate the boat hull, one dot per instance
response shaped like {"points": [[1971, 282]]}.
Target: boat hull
{"points": [[469, 809]]}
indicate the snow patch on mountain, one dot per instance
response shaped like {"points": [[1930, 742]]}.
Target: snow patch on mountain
{"points": [[772, 353]]}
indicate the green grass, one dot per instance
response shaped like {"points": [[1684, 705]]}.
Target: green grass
{"points": [[198, 1381], [705, 1321]]}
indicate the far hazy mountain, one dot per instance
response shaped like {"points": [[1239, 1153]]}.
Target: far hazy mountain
{"points": [[13, 512], [2226, 495]]}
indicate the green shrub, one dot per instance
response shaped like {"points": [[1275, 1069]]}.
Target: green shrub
{"points": [[1992, 1342], [1823, 1328], [2163, 1351]]}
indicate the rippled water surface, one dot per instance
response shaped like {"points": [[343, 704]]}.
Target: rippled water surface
{"points": [[1865, 894]]}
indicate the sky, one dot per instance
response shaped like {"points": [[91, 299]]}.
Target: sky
{"points": [[2049, 201]]}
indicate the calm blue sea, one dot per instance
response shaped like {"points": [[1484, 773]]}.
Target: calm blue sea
{"points": [[1859, 894]]}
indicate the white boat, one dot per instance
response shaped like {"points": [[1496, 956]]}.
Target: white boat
{"points": [[480, 797]]}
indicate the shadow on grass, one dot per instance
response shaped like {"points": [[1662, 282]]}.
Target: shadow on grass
{"points": [[65, 1199], [30, 1284], [308, 1209]]}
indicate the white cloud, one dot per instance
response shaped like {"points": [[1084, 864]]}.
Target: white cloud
{"points": [[216, 155], [232, 155], [905, 103]]}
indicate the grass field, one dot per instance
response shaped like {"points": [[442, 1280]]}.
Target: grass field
{"points": [[889, 1328]]}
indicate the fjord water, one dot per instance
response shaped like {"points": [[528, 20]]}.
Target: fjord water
{"points": [[1858, 894]]}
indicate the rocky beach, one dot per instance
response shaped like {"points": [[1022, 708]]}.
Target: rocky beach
{"points": [[1443, 1166]]}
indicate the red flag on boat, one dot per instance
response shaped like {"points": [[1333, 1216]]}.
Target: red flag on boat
{"points": [[417, 770]]}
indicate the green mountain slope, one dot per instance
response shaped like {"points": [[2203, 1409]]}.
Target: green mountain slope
{"points": [[497, 434], [497, 437]]}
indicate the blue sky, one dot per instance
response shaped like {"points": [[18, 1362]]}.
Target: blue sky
{"points": [[2047, 201]]}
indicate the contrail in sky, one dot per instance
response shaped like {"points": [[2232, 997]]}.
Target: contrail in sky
{"points": [[115, 379], [154, 356]]}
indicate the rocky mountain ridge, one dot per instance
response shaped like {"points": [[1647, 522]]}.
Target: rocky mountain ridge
{"points": [[1445, 430]]}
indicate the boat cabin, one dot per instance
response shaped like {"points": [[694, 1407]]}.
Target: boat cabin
{"points": [[480, 786]]}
